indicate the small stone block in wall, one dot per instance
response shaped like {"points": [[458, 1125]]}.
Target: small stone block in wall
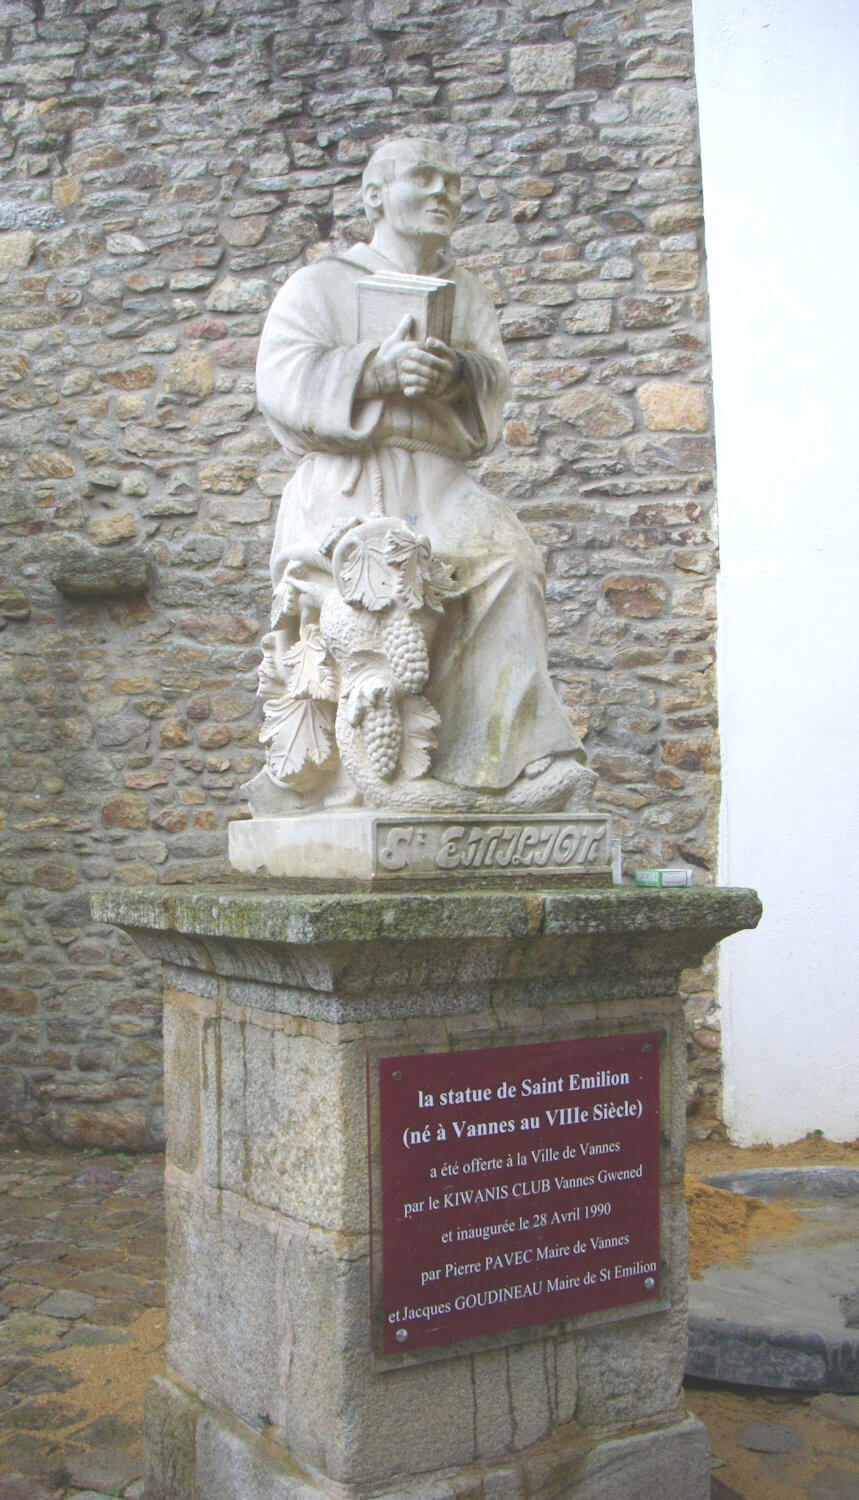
{"points": [[16, 250], [672, 408], [87, 573], [543, 69]]}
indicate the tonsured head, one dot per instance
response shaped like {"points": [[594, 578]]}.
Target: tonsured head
{"points": [[413, 185]]}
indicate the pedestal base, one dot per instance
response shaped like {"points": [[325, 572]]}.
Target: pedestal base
{"points": [[288, 1019], [194, 1451]]}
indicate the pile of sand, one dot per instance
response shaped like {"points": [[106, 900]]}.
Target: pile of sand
{"points": [[722, 1225], [812, 1151]]}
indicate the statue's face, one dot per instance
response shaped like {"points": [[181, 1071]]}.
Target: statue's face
{"points": [[422, 199]]}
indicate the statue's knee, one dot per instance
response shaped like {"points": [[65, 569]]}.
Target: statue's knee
{"points": [[521, 565]]}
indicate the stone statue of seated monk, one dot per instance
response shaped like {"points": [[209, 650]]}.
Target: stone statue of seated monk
{"points": [[406, 667]]}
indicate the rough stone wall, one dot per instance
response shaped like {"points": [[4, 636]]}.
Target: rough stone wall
{"points": [[162, 169]]}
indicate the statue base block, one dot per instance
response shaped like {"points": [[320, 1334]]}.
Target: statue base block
{"points": [[358, 845], [188, 1442], [296, 1028]]}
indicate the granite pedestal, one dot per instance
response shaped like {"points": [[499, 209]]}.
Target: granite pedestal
{"points": [[273, 1001]]}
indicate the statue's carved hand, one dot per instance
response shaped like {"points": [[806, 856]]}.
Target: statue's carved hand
{"points": [[386, 373], [431, 369], [402, 367]]}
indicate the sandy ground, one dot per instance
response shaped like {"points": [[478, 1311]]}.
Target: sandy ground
{"points": [[813, 1151], [820, 1432]]}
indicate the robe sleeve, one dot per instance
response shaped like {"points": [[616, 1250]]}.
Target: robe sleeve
{"points": [[309, 370], [477, 338], [306, 381]]}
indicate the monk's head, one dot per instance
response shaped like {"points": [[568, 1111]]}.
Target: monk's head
{"points": [[414, 186]]}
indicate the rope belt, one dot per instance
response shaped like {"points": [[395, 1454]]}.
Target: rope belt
{"points": [[370, 457]]}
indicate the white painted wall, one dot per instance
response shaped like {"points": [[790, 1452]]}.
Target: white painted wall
{"points": [[777, 82]]}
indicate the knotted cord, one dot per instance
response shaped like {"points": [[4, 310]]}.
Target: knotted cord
{"points": [[370, 457]]}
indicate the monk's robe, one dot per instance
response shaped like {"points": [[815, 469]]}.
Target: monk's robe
{"points": [[489, 680]]}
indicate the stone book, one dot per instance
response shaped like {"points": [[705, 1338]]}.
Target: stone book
{"points": [[384, 299]]}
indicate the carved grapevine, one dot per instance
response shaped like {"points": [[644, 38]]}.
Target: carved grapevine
{"points": [[298, 710], [358, 674]]}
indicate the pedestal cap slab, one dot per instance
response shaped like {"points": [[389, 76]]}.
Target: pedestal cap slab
{"points": [[353, 956], [274, 914]]}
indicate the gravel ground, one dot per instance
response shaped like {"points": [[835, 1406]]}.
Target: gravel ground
{"points": [[81, 1320]]}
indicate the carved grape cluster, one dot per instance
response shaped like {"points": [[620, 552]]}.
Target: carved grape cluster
{"points": [[407, 652], [382, 737]]}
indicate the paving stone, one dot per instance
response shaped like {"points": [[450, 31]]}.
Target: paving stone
{"points": [[834, 1484], [43, 1273], [24, 1487], [114, 1314], [21, 1295], [29, 1452], [9, 1368], [84, 1333], [839, 1408], [92, 1260], [721, 1491], [40, 1379], [768, 1437], [30, 1330], [67, 1305], [773, 1319], [41, 1416], [103, 1468], [114, 1430], [834, 1182], [107, 1284], [104, 1176]]}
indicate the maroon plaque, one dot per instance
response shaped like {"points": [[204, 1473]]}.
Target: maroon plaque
{"points": [[519, 1185]]}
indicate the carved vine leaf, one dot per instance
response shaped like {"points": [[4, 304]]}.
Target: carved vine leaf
{"points": [[440, 585], [270, 680], [312, 674], [299, 731], [285, 603], [411, 557], [365, 575], [337, 532], [368, 687], [363, 666], [420, 721]]}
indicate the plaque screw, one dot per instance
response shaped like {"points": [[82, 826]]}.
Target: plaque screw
{"points": [[649, 1285], [401, 1335], [398, 1078]]}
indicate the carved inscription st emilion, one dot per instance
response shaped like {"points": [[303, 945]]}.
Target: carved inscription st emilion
{"points": [[519, 1185], [553, 844]]}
